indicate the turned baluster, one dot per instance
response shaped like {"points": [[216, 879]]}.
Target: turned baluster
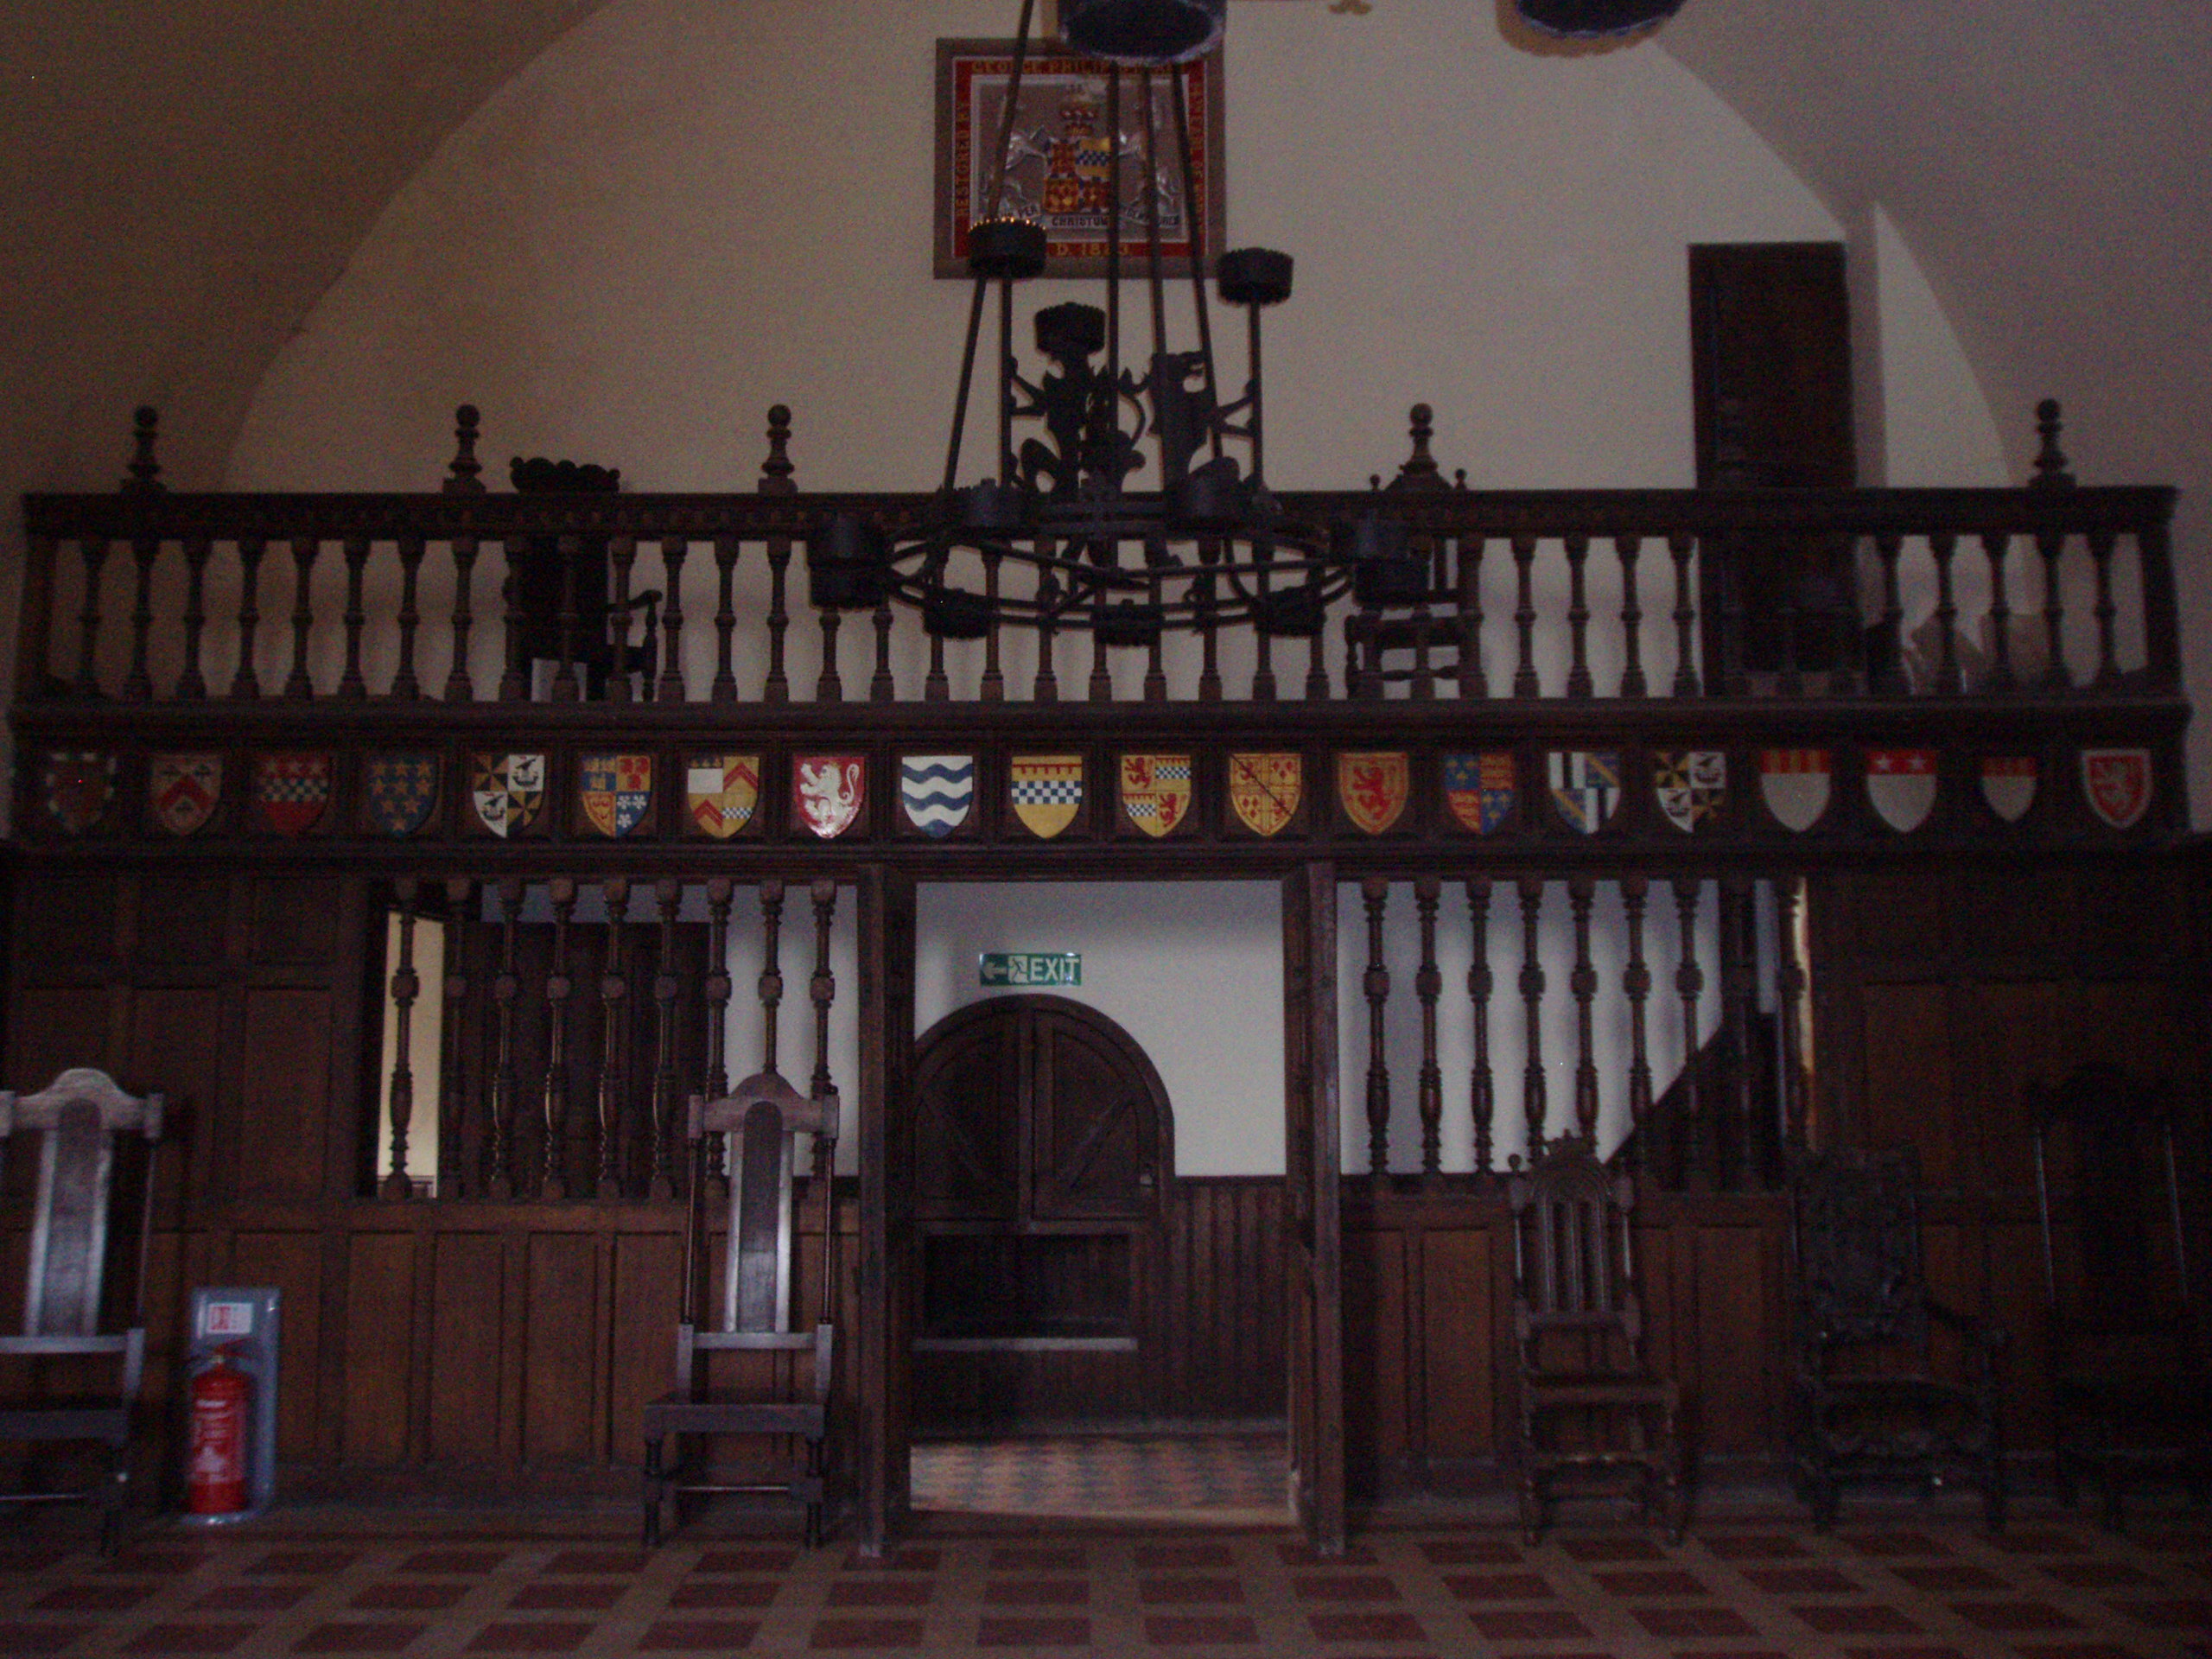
{"points": [[771, 968], [674, 550], [1889, 678], [622, 559], [669, 894], [1535, 1109], [1375, 892], [777, 687], [1691, 1141], [1317, 669], [1681, 548], [406, 985], [2102, 544], [1790, 993], [992, 688], [823, 988], [305, 550], [1210, 687], [1636, 980], [935, 687], [1481, 983], [2050, 546], [1045, 688], [721, 891], [1739, 1008], [514, 676], [882, 689], [138, 683], [1155, 670], [1950, 679], [568, 686], [1473, 682], [1428, 986], [1579, 681], [614, 1042], [93, 554], [454, 1046], [1263, 643], [828, 686], [506, 1088], [724, 689], [1582, 982], [1101, 688], [404, 685], [459, 688], [1524, 615], [355, 550], [191, 682], [1627, 550], [2002, 678], [553, 1095], [245, 684]]}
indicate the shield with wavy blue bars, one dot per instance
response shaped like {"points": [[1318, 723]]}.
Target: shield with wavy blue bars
{"points": [[1586, 787], [937, 791]]}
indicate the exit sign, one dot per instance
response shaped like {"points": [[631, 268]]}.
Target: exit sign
{"points": [[1029, 968]]}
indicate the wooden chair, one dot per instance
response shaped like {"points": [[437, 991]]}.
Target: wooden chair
{"points": [[67, 1286], [1590, 1404], [754, 1310], [2131, 1392], [560, 607], [1870, 1405]]}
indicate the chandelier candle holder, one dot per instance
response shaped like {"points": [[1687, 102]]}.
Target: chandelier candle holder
{"points": [[1210, 546]]}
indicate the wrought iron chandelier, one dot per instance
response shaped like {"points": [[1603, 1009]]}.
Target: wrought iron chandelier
{"points": [[1210, 546]]}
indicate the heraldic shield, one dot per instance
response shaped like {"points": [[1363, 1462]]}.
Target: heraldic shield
{"points": [[2117, 783], [507, 790], [1586, 787], [183, 790], [1156, 790], [1901, 787], [616, 790], [78, 787], [291, 790], [1373, 788], [1264, 790], [1047, 792], [720, 791], [828, 790], [935, 792], [1691, 786], [2008, 785], [402, 790], [1480, 790], [1794, 784]]}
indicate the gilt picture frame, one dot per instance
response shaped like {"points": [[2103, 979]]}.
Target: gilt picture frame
{"points": [[1060, 165]]}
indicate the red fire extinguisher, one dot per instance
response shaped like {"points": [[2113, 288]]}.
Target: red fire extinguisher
{"points": [[221, 1396]]}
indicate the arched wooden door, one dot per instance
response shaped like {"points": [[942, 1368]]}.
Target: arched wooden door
{"points": [[1044, 1148]]}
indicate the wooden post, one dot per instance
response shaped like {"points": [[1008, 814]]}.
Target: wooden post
{"points": [[1316, 1268], [885, 1283]]}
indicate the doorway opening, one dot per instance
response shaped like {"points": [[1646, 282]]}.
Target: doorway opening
{"points": [[1093, 1335]]}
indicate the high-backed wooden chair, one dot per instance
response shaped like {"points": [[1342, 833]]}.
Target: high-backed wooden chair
{"points": [[68, 1317], [753, 1312], [1871, 1403], [2131, 1391], [562, 608], [1589, 1403]]}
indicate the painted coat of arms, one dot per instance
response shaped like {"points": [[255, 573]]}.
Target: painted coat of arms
{"points": [[1156, 790], [183, 790], [828, 791], [616, 790], [1586, 787], [2118, 784], [1480, 790], [2008, 784], [402, 790], [1795, 784], [78, 787], [1901, 787], [506, 791], [1691, 786], [291, 790], [935, 792], [1264, 790], [1045, 791], [720, 791], [1373, 788]]}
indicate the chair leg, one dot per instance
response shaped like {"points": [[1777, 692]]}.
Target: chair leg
{"points": [[652, 1491], [112, 1505]]}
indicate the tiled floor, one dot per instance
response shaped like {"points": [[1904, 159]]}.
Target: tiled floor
{"points": [[1906, 1588], [1219, 1478]]}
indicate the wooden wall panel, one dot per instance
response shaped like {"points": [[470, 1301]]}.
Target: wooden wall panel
{"points": [[1459, 1324], [643, 1347], [182, 920], [1374, 1346], [468, 1316], [176, 1045], [57, 1028], [379, 1329], [284, 1103], [1908, 1076], [561, 1371], [1737, 1407], [292, 1261]]}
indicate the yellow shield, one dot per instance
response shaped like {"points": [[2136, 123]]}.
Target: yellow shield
{"points": [[1263, 789], [1046, 790], [1156, 790], [1373, 788], [721, 791]]}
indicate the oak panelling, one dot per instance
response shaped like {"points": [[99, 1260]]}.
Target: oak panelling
{"points": [[182, 921], [1900, 918], [295, 919], [646, 1269], [55, 1029], [292, 1261], [379, 1327], [175, 1047], [2017, 1302], [561, 1420], [467, 1318], [1459, 1315], [64, 930], [1908, 1084], [1737, 1410], [283, 1100], [1374, 1371], [2020, 1031]]}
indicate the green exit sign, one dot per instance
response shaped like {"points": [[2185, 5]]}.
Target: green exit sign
{"points": [[1029, 968]]}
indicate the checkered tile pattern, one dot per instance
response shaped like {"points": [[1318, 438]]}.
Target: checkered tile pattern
{"points": [[1917, 1589]]}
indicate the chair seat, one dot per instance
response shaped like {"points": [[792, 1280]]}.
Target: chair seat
{"points": [[712, 1413], [1596, 1389]]}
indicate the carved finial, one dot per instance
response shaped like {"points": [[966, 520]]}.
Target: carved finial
{"points": [[776, 471], [2051, 472], [1419, 471], [461, 478], [145, 471]]}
